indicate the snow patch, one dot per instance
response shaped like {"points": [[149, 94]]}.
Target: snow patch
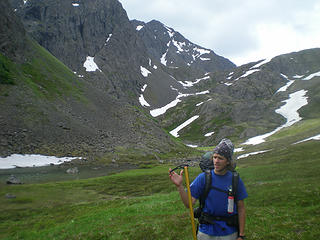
{"points": [[191, 84], [238, 149], [317, 137], [200, 103], [163, 59], [110, 35], [145, 72], [285, 87], [159, 111], [289, 110], [209, 134], [175, 131], [178, 45], [31, 160], [191, 145], [298, 76], [205, 59], [138, 28], [317, 74], [261, 63], [198, 52], [170, 32], [90, 65], [142, 101], [253, 153], [249, 72]]}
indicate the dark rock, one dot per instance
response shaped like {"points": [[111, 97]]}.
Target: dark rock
{"points": [[13, 180], [73, 170], [10, 196]]}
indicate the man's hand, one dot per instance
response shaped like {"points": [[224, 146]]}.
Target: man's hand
{"points": [[176, 178]]}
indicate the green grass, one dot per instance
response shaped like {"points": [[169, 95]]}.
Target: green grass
{"points": [[48, 77], [45, 75], [6, 69], [283, 203]]}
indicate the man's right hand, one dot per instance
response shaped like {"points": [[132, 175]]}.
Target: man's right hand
{"points": [[176, 178]]}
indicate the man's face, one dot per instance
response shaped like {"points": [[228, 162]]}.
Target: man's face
{"points": [[220, 163]]}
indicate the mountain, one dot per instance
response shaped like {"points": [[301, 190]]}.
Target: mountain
{"points": [[80, 78], [177, 57], [175, 51], [242, 103], [75, 30], [46, 108]]}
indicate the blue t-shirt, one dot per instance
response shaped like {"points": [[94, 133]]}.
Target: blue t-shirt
{"points": [[217, 202]]}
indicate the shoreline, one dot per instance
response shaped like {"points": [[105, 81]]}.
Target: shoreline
{"points": [[55, 173]]}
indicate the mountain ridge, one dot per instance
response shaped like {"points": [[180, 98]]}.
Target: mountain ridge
{"points": [[137, 69]]}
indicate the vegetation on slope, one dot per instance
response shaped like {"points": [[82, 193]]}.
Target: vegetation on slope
{"points": [[283, 186], [45, 75]]}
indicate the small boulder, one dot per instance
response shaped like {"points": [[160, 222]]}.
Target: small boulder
{"points": [[73, 170], [13, 180], [10, 196]]}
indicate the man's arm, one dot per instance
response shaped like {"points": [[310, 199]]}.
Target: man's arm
{"points": [[242, 217], [178, 181], [184, 196]]}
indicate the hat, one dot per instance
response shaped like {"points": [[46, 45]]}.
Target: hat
{"points": [[225, 148]]}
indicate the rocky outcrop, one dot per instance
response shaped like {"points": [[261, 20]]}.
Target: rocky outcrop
{"points": [[12, 33], [175, 51], [50, 110]]}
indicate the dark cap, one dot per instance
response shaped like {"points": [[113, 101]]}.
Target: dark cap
{"points": [[225, 148]]}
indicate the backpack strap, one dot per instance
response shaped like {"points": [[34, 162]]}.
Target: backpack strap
{"points": [[208, 180], [208, 187], [235, 182]]}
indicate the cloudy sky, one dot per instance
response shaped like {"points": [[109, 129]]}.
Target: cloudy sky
{"points": [[242, 31]]}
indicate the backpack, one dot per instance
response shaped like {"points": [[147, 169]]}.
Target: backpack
{"points": [[206, 165]]}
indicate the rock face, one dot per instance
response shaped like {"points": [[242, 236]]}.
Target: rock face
{"points": [[74, 30], [50, 110], [242, 101], [12, 33], [129, 61], [175, 51]]}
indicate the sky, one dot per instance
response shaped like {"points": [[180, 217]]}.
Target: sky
{"points": [[242, 31]]}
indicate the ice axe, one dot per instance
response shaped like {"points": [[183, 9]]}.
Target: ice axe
{"points": [[185, 167]]}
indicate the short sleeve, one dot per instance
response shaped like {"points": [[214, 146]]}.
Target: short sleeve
{"points": [[197, 186]]}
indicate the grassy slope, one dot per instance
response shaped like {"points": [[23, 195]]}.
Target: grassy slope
{"points": [[283, 186], [45, 75]]}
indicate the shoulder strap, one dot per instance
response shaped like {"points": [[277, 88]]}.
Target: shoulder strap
{"points": [[208, 180], [235, 181]]}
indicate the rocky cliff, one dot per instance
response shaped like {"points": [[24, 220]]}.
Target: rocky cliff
{"points": [[48, 109], [122, 72]]}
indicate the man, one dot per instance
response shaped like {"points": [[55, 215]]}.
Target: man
{"points": [[217, 204]]}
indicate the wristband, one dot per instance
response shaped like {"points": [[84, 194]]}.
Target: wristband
{"points": [[242, 237]]}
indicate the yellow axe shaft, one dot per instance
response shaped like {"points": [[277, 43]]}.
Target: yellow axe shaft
{"points": [[190, 203]]}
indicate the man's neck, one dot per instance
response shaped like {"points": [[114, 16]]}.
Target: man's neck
{"points": [[222, 172]]}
